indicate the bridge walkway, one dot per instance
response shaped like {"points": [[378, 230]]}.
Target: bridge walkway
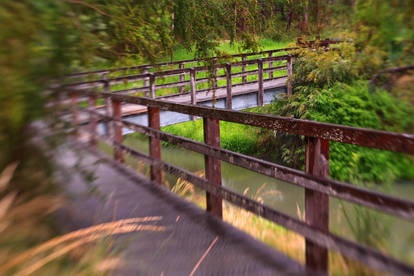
{"points": [[192, 242]]}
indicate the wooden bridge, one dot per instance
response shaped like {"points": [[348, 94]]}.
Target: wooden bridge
{"points": [[249, 80], [315, 180]]}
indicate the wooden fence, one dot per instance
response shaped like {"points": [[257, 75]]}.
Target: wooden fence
{"points": [[162, 66], [146, 83], [315, 180]]}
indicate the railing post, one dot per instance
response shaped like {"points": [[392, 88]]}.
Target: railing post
{"points": [[74, 104], [117, 114], [260, 93], [152, 85], [228, 85], [316, 203], [270, 66], [92, 121], [290, 72], [154, 143], [145, 79], [193, 87], [244, 78], [182, 77], [212, 165], [107, 106], [215, 73]]}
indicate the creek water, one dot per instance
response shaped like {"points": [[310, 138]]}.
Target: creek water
{"points": [[289, 198]]}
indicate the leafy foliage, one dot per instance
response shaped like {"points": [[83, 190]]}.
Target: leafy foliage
{"points": [[352, 105], [317, 68], [387, 25]]}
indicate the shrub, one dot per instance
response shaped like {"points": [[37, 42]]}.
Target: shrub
{"points": [[352, 105], [318, 68]]}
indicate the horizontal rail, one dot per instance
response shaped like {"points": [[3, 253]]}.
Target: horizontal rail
{"points": [[203, 80], [349, 248], [341, 190], [399, 142], [160, 64], [166, 73], [148, 66]]}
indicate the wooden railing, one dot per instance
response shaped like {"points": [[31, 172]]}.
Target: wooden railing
{"points": [[235, 73], [162, 66], [315, 180], [263, 70]]}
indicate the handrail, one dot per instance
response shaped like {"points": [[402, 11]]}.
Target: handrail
{"points": [[342, 190], [147, 66], [392, 141], [150, 86], [313, 233], [325, 42], [168, 73]]}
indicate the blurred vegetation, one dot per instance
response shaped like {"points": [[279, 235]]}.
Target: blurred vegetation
{"points": [[40, 41]]}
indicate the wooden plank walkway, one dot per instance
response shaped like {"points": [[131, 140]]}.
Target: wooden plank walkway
{"points": [[193, 241]]}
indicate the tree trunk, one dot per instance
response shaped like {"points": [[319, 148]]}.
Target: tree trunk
{"points": [[305, 17], [290, 15]]}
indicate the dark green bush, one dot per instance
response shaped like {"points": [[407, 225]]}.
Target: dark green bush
{"points": [[352, 105]]}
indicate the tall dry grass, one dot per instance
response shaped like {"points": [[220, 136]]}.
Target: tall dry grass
{"points": [[28, 245], [283, 240]]}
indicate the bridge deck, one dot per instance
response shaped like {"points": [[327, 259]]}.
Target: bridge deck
{"points": [[188, 235]]}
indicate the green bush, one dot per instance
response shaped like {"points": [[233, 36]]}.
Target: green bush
{"points": [[351, 105], [318, 68]]}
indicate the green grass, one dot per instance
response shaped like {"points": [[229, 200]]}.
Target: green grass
{"points": [[265, 44], [234, 137]]}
